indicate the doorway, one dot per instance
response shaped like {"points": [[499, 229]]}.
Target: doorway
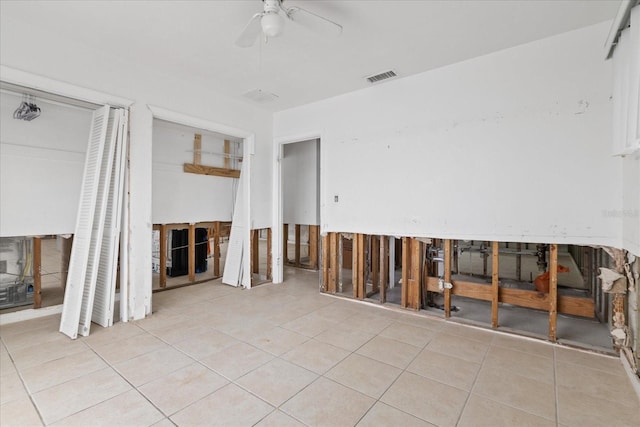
{"points": [[194, 189], [299, 205]]}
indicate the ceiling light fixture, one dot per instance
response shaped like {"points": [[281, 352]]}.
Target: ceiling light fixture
{"points": [[28, 110], [260, 96], [272, 24]]}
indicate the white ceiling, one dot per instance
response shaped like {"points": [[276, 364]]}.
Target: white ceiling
{"points": [[195, 39]]}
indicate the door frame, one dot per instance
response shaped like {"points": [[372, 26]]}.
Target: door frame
{"points": [[248, 150], [277, 206]]}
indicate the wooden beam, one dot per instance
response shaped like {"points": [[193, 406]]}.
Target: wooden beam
{"points": [[525, 298], [431, 284], [553, 292], [333, 275], [384, 268], [354, 266], [414, 279], [485, 257], [269, 255], [339, 250], [192, 252], [227, 153], [216, 249], [314, 234], [375, 263], [576, 306], [210, 170], [361, 266], [325, 262], [471, 290], [285, 243], [447, 277], [297, 245], [456, 264], [197, 149], [519, 261], [37, 272], [163, 256], [406, 266], [358, 266], [255, 251], [495, 284], [67, 244]]}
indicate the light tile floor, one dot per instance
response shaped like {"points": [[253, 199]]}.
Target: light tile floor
{"points": [[285, 355]]}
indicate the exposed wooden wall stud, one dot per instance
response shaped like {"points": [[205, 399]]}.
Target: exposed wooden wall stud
{"points": [[37, 272], [375, 264], [269, 255], [447, 277], [553, 292], [192, 252], [197, 149], [384, 267], [227, 152], [285, 243], [255, 251], [495, 285], [314, 234], [297, 245], [163, 256], [325, 262], [333, 275], [216, 248], [406, 266]]}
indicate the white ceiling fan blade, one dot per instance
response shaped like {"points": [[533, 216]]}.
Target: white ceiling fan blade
{"points": [[313, 22], [251, 32]]}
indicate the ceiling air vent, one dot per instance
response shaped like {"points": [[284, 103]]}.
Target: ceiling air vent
{"points": [[260, 96], [381, 76]]}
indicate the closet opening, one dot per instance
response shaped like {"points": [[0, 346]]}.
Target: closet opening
{"points": [[43, 145], [194, 189]]}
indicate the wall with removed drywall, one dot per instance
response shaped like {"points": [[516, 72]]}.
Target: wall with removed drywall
{"points": [[511, 146], [73, 59], [300, 183], [180, 197], [41, 165]]}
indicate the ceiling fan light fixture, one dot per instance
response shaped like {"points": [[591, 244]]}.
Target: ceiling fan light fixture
{"points": [[272, 24]]}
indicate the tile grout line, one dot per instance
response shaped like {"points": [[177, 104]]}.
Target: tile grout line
{"points": [[24, 386], [475, 380], [395, 380], [555, 386], [126, 380]]}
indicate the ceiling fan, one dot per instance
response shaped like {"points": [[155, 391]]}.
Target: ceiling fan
{"points": [[270, 22]]}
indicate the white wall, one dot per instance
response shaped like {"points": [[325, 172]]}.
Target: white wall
{"points": [[300, 182], [511, 146], [41, 166], [180, 197]]}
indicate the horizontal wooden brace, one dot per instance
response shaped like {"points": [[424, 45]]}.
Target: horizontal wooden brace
{"points": [[210, 170], [576, 306]]}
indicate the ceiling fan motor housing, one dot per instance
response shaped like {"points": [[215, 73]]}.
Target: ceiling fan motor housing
{"points": [[271, 21]]}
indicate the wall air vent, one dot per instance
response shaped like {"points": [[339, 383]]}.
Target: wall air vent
{"points": [[381, 76], [260, 96]]}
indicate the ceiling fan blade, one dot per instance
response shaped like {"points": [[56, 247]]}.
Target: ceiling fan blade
{"points": [[313, 22], [251, 32]]}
